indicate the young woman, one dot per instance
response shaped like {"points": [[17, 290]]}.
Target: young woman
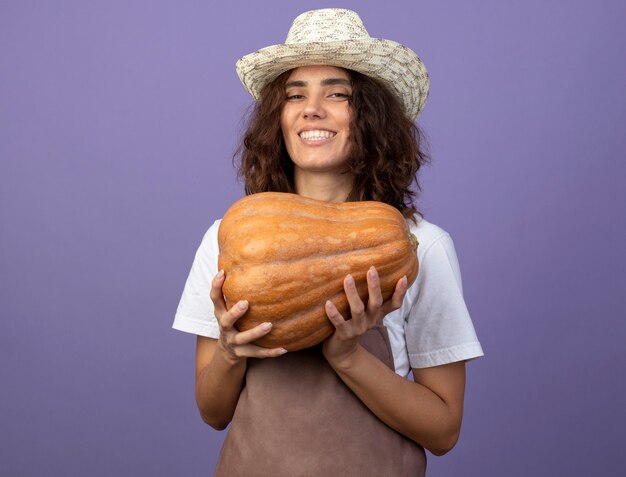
{"points": [[334, 121]]}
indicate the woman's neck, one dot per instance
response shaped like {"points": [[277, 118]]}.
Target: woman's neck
{"points": [[329, 187]]}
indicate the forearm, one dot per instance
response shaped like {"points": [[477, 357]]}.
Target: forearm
{"points": [[218, 386], [408, 407]]}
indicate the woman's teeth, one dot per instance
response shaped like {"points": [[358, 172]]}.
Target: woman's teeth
{"points": [[316, 135]]}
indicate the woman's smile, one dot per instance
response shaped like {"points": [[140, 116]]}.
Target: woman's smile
{"points": [[316, 136]]}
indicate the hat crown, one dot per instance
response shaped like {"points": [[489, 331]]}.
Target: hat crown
{"points": [[326, 25], [337, 37]]}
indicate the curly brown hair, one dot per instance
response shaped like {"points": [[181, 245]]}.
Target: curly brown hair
{"points": [[386, 147]]}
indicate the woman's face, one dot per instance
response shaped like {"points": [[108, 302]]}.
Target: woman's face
{"points": [[315, 119]]}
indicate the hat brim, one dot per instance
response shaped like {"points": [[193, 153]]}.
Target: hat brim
{"points": [[394, 64]]}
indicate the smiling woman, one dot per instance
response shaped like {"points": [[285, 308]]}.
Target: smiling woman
{"points": [[335, 121], [315, 123]]}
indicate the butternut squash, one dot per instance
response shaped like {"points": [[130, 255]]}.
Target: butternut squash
{"points": [[287, 254]]}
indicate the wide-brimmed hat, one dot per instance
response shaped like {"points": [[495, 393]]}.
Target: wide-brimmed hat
{"points": [[337, 37]]}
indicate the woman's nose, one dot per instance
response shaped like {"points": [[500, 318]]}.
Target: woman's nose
{"points": [[313, 107]]}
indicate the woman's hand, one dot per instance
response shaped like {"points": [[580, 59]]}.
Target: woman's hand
{"points": [[221, 364], [343, 342], [236, 345], [429, 410]]}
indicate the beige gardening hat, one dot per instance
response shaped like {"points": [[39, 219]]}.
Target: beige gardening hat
{"points": [[337, 37]]}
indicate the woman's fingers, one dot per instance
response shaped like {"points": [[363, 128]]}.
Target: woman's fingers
{"points": [[227, 320], [217, 297], [254, 351], [377, 308], [237, 343], [333, 315], [344, 340], [375, 300], [357, 309], [248, 336], [397, 298], [240, 342], [398, 295]]}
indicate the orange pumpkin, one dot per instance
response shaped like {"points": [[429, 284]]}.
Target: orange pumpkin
{"points": [[287, 254]]}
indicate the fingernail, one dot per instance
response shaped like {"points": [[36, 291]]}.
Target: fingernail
{"points": [[266, 326], [405, 281], [350, 280], [282, 351], [243, 304], [220, 274], [373, 272]]}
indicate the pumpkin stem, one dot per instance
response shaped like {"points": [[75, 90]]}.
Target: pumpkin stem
{"points": [[413, 240]]}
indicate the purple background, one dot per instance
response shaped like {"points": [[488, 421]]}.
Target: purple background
{"points": [[118, 121]]}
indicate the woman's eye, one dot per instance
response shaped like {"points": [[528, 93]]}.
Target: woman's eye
{"points": [[339, 95], [292, 97]]}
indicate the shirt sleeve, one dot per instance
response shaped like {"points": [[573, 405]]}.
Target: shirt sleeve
{"points": [[439, 329], [195, 310]]}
